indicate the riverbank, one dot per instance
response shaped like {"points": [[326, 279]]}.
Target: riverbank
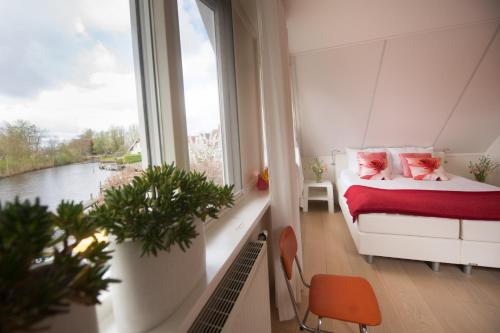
{"points": [[41, 167], [30, 165]]}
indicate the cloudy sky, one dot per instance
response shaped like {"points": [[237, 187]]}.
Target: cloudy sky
{"points": [[67, 65]]}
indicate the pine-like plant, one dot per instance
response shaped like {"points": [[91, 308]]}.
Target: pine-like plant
{"points": [[42, 270], [158, 208]]}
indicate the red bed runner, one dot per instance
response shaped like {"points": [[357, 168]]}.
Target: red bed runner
{"points": [[447, 204]]}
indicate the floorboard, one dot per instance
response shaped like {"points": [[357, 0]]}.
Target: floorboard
{"points": [[412, 297]]}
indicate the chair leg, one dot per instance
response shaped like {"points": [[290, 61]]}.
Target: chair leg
{"points": [[318, 328], [304, 321], [363, 328]]}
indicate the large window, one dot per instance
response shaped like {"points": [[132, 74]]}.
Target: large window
{"points": [[209, 89], [201, 88], [68, 108]]}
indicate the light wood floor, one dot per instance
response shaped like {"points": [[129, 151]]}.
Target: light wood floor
{"points": [[411, 296]]}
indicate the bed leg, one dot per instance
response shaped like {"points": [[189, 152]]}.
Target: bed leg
{"points": [[435, 266], [369, 259], [467, 269]]}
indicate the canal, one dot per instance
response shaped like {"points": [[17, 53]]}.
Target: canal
{"points": [[70, 182]]}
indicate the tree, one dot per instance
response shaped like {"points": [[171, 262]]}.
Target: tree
{"points": [[89, 136], [21, 138]]}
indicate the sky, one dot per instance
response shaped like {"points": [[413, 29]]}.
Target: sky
{"points": [[199, 70], [67, 66]]}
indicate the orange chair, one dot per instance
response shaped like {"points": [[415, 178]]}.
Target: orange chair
{"points": [[346, 298]]}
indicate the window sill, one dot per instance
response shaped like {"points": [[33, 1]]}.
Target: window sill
{"points": [[224, 240]]}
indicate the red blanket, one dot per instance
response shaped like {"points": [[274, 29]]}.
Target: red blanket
{"points": [[447, 204]]}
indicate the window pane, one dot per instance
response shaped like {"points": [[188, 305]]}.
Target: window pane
{"points": [[201, 88], [68, 109]]}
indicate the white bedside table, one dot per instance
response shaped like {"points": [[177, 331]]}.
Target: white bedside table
{"points": [[325, 186]]}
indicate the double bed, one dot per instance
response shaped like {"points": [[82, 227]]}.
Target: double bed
{"points": [[434, 239]]}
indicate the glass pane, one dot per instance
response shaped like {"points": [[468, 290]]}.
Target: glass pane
{"points": [[201, 89], [68, 110]]}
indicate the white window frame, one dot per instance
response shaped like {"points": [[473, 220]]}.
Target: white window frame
{"points": [[160, 89]]}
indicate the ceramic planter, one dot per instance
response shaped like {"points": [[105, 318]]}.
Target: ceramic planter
{"points": [[153, 287]]}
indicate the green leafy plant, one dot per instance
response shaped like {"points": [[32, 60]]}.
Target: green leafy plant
{"points": [[43, 265], [159, 207], [482, 168]]}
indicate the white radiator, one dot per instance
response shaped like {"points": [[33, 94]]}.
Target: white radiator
{"points": [[240, 303]]}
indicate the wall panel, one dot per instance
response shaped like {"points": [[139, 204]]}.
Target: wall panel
{"points": [[421, 79], [335, 89], [475, 124]]}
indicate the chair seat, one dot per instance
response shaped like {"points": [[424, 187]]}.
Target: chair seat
{"points": [[346, 298]]}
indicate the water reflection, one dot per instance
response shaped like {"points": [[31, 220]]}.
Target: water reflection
{"points": [[70, 182]]}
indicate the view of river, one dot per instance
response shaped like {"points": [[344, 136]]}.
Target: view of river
{"points": [[70, 182]]}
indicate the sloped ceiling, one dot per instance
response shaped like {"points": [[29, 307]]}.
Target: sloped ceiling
{"points": [[396, 73]]}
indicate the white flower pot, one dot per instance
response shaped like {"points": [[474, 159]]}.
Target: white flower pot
{"points": [[153, 287], [79, 319]]}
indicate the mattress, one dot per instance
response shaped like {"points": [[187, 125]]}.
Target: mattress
{"points": [[422, 226]]}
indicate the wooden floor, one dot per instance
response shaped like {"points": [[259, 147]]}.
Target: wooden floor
{"points": [[412, 297]]}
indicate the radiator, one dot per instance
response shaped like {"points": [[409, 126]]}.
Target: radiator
{"points": [[240, 303]]}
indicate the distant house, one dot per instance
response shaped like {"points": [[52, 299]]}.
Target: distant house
{"points": [[135, 148]]}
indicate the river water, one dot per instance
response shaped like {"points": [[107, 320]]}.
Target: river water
{"points": [[70, 182]]}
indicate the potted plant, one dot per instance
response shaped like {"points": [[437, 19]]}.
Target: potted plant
{"points": [[160, 245], [52, 268], [318, 167], [482, 168]]}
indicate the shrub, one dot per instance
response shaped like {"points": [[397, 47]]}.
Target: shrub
{"points": [[132, 158], [41, 269], [158, 207]]}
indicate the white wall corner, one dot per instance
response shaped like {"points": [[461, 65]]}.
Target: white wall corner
{"points": [[494, 152]]}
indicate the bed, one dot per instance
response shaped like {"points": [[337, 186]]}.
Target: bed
{"points": [[437, 240]]}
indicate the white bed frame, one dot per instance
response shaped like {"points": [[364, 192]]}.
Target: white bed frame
{"points": [[468, 243]]}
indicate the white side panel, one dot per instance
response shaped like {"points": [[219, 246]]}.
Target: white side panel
{"points": [[410, 247], [482, 231], [481, 253], [396, 224]]}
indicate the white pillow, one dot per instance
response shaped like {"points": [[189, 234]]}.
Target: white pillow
{"points": [[397, 168], [352, 157]]}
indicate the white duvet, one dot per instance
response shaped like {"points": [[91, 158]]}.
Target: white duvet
{"points": [[456, 183]]}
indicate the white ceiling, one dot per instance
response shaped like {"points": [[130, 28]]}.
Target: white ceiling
{"points": [[396, 72], [316, 24]]}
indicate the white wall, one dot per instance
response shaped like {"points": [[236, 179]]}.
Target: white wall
{"points": [[494, 152], [392, 73]]}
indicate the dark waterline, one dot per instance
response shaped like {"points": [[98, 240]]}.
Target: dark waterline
{"points": [[70, 182]]}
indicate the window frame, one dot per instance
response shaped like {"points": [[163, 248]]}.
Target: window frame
{"points": [[160, 86]]}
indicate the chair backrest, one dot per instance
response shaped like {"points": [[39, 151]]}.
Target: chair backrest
{"points": [[288, 250]]}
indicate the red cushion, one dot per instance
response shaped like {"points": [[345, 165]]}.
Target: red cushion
{"points": [[404, 162], [373, 165], [427, 168]]}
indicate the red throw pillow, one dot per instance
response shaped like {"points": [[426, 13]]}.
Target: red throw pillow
{"points": [[428, 168], [374, 165], [404, 162]]}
